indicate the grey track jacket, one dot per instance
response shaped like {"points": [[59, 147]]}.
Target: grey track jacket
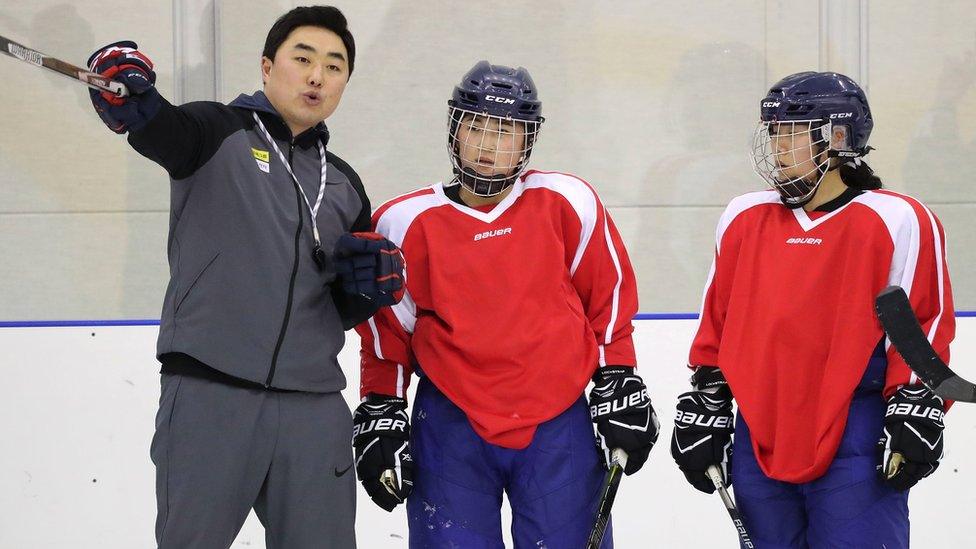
{"points": [[245, 296]]}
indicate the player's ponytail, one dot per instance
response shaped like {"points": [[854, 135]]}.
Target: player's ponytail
{"points": [[858, 175]]}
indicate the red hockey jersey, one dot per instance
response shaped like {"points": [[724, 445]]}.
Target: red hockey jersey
{"points": [[788, 314], [509, 311]]}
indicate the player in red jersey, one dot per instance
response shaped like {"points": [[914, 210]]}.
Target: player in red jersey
{"points": [[788, 327], [518, 292]]}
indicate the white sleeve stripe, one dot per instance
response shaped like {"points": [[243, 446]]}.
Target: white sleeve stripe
{"points": [[406, 310], [893, 210], [708, 285], [903, 229], [585, 234], [399, 381], [376, 339], [615, 306], [939, 269], [580, 197], [603, 355], [394, 224], [379, 354]]}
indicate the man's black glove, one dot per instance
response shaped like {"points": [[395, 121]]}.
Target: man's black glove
{"points": [[703, 429], [368, 264], [622, 412], [381, 437], [911, 443]]}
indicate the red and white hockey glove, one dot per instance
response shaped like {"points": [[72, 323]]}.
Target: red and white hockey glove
{"points": [[123, 62]]}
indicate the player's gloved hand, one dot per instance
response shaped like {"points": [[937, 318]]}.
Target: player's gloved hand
{"points": [[381, 438], [624, 417], [123, 62], [703, 429], [370, 265], [911, 443]]}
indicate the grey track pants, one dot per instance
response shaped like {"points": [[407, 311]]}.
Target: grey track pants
{"points": [[220, 450]]}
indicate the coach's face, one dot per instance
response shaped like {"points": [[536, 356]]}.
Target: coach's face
{"points": [[305, 80]]}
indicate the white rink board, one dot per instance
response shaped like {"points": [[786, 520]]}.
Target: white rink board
{"points": [[77, 408]]}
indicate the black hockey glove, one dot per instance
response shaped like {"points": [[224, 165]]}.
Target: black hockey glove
{"points": [[381, 437], [911, 444], [703, 429], [368, 264], [624, 417]]}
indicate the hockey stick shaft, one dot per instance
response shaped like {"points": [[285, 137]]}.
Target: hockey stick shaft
{"points": [[723, 492], [78, 74], [905, 333], [607, 494]]}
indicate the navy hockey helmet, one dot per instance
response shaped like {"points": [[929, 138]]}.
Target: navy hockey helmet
{"points": [[498, 107], [802, 117]]}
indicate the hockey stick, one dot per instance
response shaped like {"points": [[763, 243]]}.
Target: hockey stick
{"points": [[899, 322], [607, 494], [90, 79], [740, 527]]}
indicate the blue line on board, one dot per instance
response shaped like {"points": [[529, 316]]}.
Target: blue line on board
{"points": [[76, 323], [154, 322]]}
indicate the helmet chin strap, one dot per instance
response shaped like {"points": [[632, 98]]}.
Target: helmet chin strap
{"points": [[794, 205], [813, 186], [482, 185]]}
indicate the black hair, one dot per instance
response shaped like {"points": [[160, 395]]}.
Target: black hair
{"points": [[326, 17], [859, 176]]}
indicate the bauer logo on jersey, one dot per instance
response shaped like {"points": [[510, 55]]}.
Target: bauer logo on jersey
{"points": [[263, 158], [811, 241], [489, 234]]}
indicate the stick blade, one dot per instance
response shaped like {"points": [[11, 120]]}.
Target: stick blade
{"points": [[905, 333]]}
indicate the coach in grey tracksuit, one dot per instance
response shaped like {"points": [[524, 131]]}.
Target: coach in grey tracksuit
{"points": [[250, 412]]}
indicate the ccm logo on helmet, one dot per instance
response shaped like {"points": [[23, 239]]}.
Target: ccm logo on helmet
{"points": [[767, 104], [497, 99], [842, 115]]}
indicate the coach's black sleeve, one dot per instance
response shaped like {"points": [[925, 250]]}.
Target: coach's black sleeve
{"points": [[182, 139]]}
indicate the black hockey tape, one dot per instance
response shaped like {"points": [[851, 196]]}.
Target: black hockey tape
{"points": [[905, 333]]}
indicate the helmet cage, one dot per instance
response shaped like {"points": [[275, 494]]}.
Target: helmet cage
{"points": [[491, 141], [771, 160]]}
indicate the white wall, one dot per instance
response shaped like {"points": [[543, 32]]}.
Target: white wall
{"points": [[76, 417], [653, 102]]}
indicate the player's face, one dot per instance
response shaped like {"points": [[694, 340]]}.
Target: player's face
{"points": [[794, 151], [489, 145], [306, 79]]}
